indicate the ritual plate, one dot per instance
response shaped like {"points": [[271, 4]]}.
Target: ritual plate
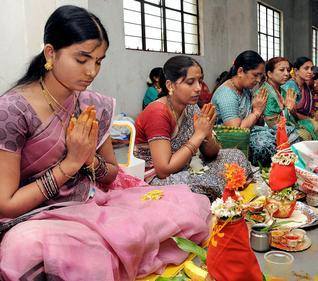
{"points": [[305, 244], [302, 217], [312, 217]]}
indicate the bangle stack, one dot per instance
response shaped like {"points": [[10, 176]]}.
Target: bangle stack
{"points": [[96, 173], [101, 169], [193, 149], [47, 185]]}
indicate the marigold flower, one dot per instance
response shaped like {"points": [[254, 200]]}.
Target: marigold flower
{"points": [[234, 176]]}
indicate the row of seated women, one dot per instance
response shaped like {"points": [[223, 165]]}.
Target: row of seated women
{"points": [[67, 212], [167, 132]]}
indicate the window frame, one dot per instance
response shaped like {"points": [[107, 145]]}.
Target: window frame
{"points": [[259, 32], [163, 18], [315, 48]]}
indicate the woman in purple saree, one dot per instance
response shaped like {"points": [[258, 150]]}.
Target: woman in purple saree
{"points": [[66, 211]]}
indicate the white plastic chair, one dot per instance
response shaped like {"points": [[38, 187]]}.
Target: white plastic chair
{"points": [[133, 166]]}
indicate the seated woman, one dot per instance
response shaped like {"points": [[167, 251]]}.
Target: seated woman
{"points": [[171, 130], [236, 106], [56, 153], [153, 87], [279, 103], [303, 110]]}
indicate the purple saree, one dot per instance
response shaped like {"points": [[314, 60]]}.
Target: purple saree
{"points": [[92, 235]]}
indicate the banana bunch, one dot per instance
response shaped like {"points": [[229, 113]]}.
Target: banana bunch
{"points": [[195, 272]]}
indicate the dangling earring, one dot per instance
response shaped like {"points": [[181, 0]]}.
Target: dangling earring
{"points": [[49, 65], [170, 92]]}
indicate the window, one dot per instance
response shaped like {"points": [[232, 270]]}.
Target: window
{"points": [[162, 25], [315, 45], [269, 32]]}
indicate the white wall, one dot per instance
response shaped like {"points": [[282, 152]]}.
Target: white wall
{"points": [[125, 72], [227, 28], [22, 23]]}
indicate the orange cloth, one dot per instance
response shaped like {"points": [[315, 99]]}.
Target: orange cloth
{"points": [[233, 259]]}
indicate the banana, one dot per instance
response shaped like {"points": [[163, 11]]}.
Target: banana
{"points": [[194, 272]]}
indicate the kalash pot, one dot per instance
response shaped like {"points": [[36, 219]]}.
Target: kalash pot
{"points": [[260, 240]]}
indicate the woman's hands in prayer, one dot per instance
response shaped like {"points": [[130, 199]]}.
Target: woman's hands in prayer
{"points": [[290, 100], [81, 137], [259, 102], [203, 123]]}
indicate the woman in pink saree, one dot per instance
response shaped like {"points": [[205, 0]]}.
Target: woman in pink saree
{"points": [[66, 210]]}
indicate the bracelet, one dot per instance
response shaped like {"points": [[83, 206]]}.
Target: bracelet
{"points": [[101, 169], [191, 147], [63, 173], [38, 183], [256, 114], [96, 173]]}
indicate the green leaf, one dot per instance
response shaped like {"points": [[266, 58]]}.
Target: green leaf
{"points": [[190, 247], [275, 225], [179, 277]]}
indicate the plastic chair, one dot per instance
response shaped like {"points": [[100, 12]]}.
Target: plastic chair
{"points": [[133, 165]]}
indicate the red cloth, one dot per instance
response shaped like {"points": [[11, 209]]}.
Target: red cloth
{"points": [[281, 135], [233, 259], [229, 193], [205, 95], [282, 176], [155, 121]]}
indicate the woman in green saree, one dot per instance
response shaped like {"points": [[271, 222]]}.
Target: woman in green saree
{"points": [[282, 103]]}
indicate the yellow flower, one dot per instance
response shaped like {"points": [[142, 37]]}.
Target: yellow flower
{"points": [[155, 194]]}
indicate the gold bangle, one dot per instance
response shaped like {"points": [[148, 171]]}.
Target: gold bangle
{"points": [[63, 173], [191, 147], [40, 188]]}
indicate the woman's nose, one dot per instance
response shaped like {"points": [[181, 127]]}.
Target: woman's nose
{"points": [[198, 86], [91, 71]]}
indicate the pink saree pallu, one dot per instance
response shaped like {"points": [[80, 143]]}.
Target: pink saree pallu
{"points": [[121, 234], [125, 237]]}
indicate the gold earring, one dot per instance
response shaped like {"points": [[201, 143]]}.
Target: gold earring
{"points": [[49, 65], [170, 92]]}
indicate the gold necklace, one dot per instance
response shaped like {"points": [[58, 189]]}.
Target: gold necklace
{"points": [[46, 92], [172, 110], [279, 96], [47, 95], [239, 92]]}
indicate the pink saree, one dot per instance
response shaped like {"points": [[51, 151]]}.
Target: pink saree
{"points": [[90, 235]]}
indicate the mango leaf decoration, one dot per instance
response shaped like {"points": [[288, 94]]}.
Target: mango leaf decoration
{"points": [[190, 247]]}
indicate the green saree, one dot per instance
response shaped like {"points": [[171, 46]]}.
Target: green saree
{"points": [[275, 109]]}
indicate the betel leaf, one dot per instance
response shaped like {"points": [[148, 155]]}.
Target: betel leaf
{"points": [[190, 247]]}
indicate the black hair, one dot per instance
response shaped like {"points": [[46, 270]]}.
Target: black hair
{"points": [[300, 61], [218, 81], [66, 26], [174, 69], [248, 60], [155, 72], [315, 71], [271, 64]]}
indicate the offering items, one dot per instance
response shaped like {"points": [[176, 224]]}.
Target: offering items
{"points": [[282, 176]]}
